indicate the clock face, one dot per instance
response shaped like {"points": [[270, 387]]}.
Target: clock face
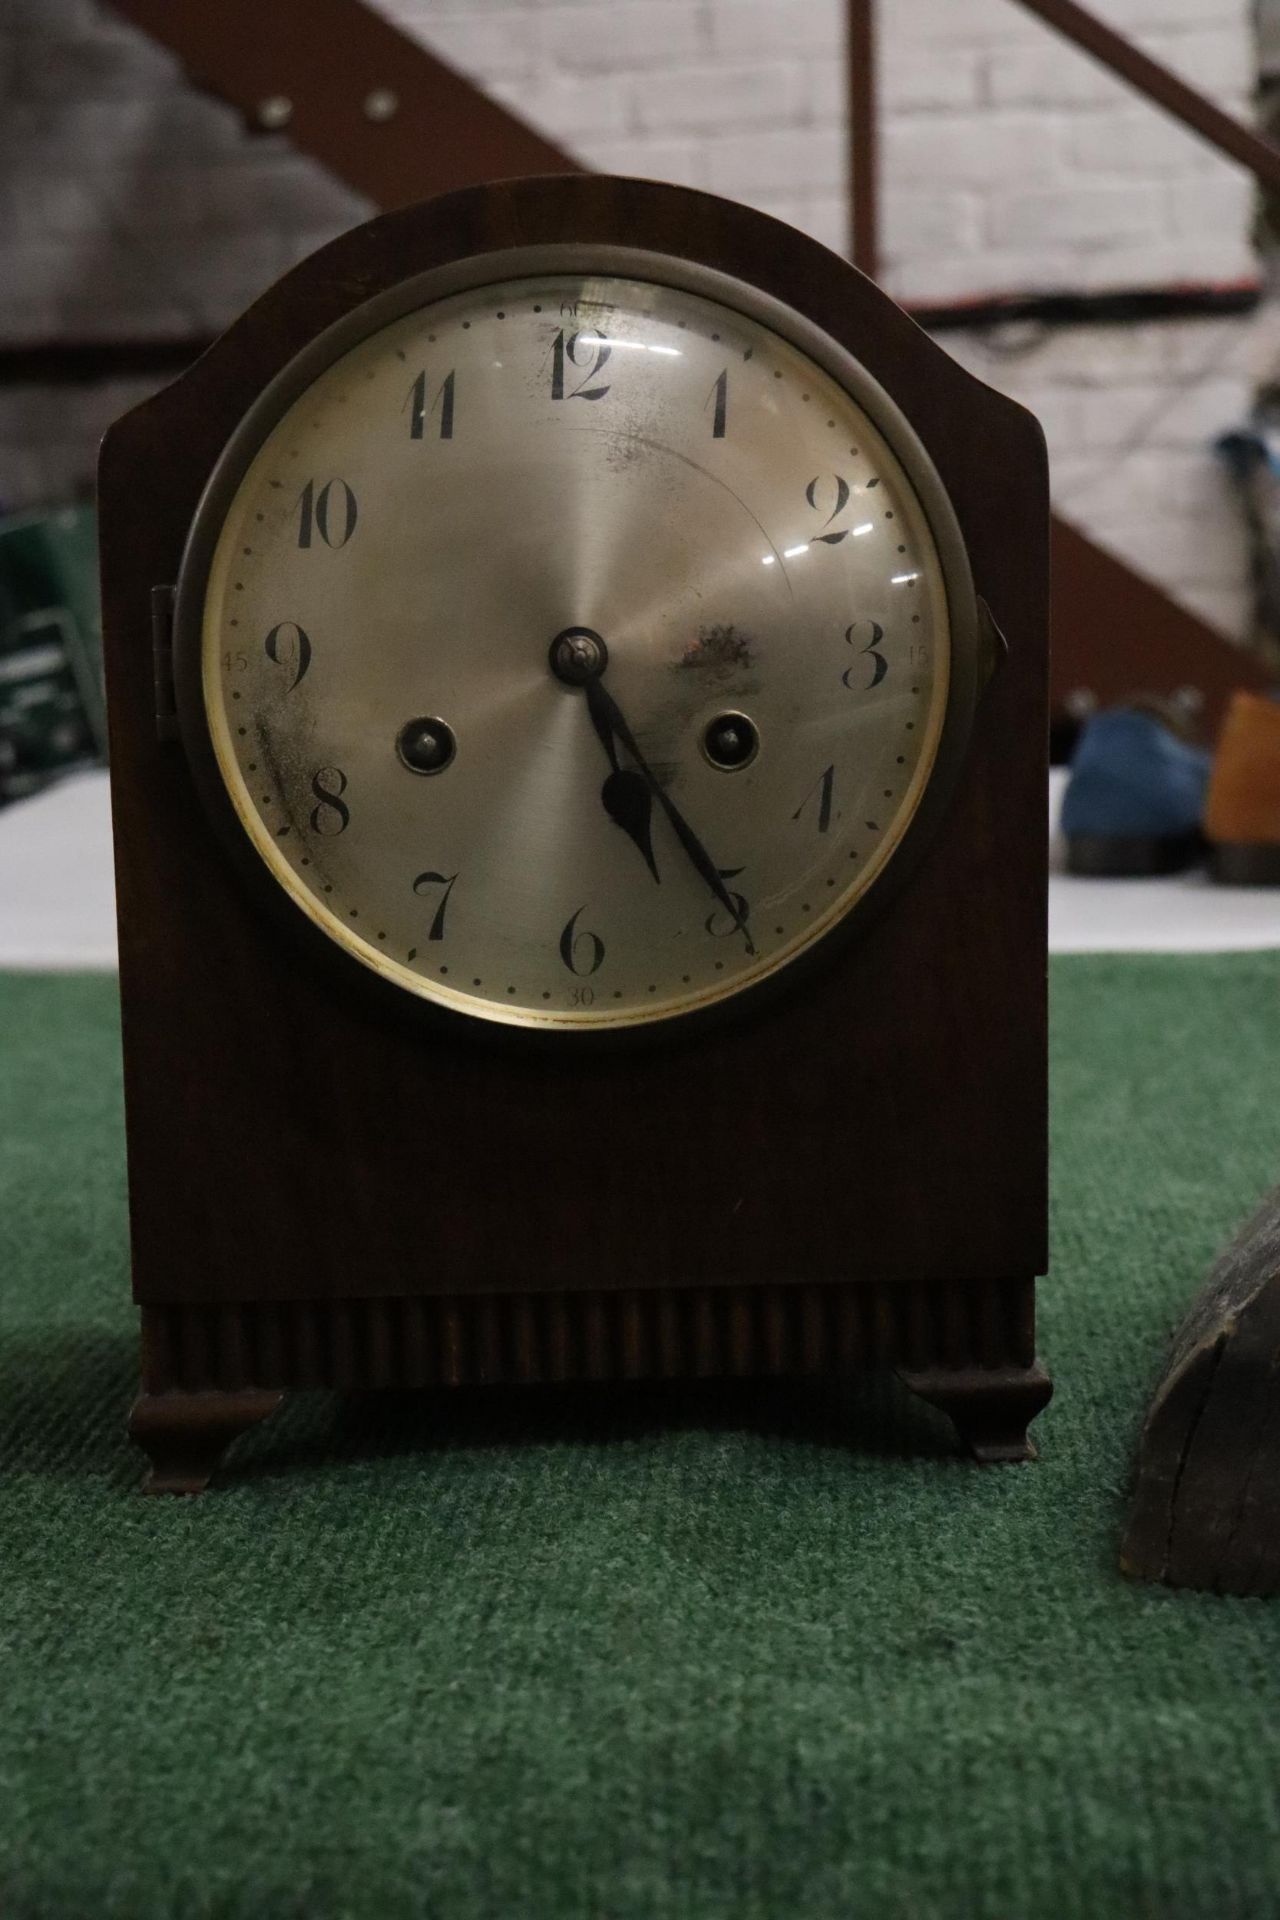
{"points": [[575, 651]]}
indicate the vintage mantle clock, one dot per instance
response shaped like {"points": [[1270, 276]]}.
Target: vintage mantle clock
{"points": [[576, 657]]}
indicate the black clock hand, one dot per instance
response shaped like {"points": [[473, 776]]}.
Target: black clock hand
{"points": [[606, 717], [629, 804], [626, 795]]}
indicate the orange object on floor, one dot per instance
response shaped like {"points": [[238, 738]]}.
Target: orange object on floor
{"points": [[1242, 812]]}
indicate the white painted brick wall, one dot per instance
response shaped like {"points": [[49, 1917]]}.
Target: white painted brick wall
{"points": [[49, 437], [1010, 163], [974, 92], [1054, 119], [1130, 413]]}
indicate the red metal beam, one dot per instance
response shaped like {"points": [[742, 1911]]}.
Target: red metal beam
{"points": [[1240, 143], [864, 196], [375, 106]]}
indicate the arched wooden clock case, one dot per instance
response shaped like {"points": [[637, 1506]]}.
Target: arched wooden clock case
{"points": [[327, 1189]]}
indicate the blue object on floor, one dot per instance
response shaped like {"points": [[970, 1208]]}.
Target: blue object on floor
{"points": [[1135, 797]]}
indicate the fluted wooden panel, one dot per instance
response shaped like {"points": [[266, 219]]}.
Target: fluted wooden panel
{"points": [[692, 1332]]}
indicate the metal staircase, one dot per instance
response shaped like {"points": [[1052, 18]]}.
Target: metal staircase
{"points": [[397, 123]]}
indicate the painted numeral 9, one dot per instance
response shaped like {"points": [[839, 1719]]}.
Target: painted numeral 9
{"points": [[287, 646]]}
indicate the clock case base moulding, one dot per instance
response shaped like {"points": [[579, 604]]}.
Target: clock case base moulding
{"points": [[201, 1364], [856, 1173]]}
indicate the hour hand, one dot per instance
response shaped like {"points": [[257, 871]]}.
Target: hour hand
{"points": [[628, 802], [626, 793]]}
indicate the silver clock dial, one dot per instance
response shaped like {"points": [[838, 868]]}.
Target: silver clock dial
{"points": [[575, 651]]}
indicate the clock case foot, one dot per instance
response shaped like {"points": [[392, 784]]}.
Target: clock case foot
{"points": [[185, 1435], [990, 1407]]}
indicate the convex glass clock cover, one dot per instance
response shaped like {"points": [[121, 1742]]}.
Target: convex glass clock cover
{"points": [[576, 648]]}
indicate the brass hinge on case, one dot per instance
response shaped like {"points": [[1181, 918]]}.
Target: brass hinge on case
{"points": [[162, 599], [993, 648]]}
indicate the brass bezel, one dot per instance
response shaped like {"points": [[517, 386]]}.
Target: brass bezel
{"points": [[936, 778]]}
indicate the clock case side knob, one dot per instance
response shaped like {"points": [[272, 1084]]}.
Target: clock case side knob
{"points": [[855, 1174]]}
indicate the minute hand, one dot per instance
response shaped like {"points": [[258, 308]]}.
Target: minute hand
{"points": [[607, 718]]}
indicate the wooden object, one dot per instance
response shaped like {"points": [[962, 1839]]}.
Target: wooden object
{"points": [[1206, 1506], [184, 1435], [405, 1212]]}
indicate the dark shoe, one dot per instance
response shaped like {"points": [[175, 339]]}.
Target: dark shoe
{"points": [[1135, 798]]}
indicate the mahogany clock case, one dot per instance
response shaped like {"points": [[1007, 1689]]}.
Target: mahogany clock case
{"points": [[321, 1193]]}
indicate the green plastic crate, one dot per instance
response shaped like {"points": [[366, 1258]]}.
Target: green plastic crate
{"points": [[52, 710]]}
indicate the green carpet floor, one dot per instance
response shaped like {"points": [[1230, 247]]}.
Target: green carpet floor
{"points": [[772, 1653]]}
